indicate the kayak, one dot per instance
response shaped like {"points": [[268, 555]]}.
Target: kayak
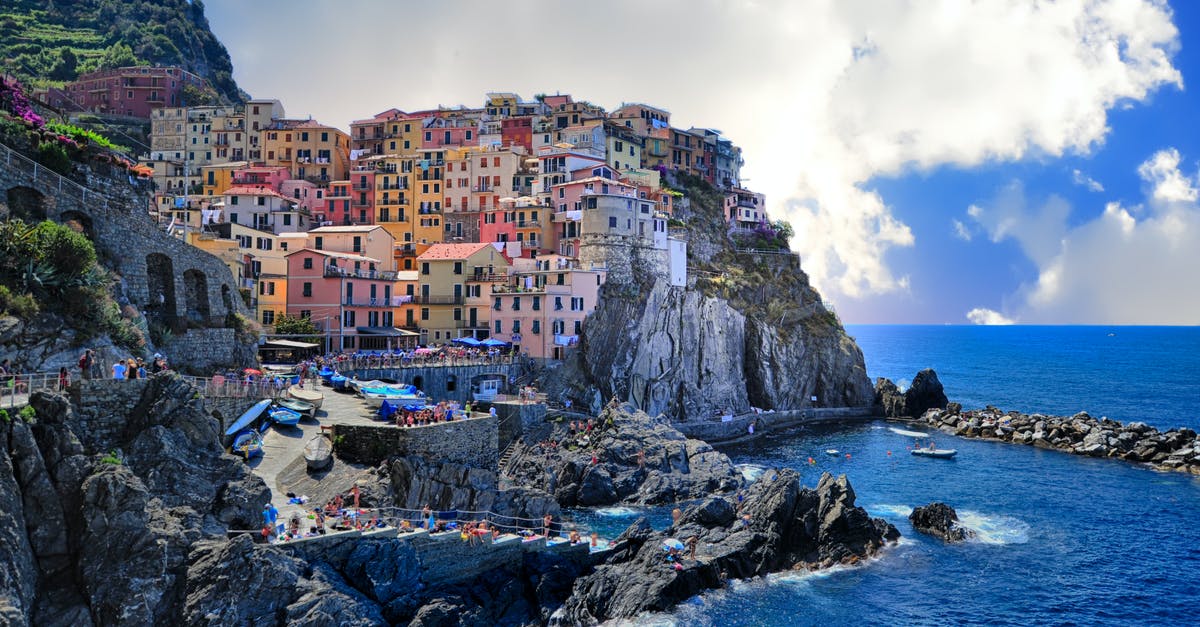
{"points": [[248, 417]]}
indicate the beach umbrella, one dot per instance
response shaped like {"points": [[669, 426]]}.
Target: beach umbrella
{"points": [[672, 543], [468, 341], [251, 371], [493, 342]]}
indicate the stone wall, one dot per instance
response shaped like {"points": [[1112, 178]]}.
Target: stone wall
{"points": [[201, 351], [471, 442], [737, 429], [226, 409], [441, 383], [98, 424], [517, 419]]}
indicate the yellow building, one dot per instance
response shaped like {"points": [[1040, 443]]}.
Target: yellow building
{"points": [[310, 150], [623, 147], [388, 178], [427, 190], [454, 284], [218, 177]]}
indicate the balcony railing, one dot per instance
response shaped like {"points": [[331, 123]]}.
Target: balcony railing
{"points": [[335, 271], [437, 300], [362, 187], [484, 277], [365, 302]]}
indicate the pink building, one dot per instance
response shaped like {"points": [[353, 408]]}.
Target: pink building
{"points": [[443, 132], [347, 296], [268, 176], [133, 91], [342, 206], [542, 310], [306, 194]]}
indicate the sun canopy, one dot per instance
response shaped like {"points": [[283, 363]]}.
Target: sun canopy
{"points": [[493, 342], [288, 344], [390, 331], [469, 341]]}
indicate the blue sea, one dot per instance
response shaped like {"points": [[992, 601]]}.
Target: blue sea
{"points": [[1063, 540]]}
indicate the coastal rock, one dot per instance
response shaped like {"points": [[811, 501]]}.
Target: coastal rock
{"points": [[779, 525], [237, 583], [889, 398], [627, 457], [925, 393], [940, 520]]}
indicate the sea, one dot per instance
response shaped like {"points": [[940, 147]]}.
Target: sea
{"points": [[1062, 540]]}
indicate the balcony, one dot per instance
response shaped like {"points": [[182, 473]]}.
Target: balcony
{"points": [[486, 277], [365, 302], [335, 271], [396, 186], [361, 203], [437, 300], [362, 187], [481, 188], [467, 324], [528, 224]]}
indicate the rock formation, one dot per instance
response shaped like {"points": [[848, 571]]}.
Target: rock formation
{"points": [[628, 457], [939, 519], [1081, 434], [779, 526], [925, 393]]}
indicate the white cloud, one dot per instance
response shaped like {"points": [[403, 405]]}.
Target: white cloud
{"points": [[984, 316], [1083, 180], [961, 231], [1132, 265], [823, 96]]}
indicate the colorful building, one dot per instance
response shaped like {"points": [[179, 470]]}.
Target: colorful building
{"points": [[346, 296], [310, 150], [453, 283], [134, 91], [541, 309]]}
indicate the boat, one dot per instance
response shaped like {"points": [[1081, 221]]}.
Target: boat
{"points": [[325, 373], [318, 453], [304, 407], [248, 444], [304, 394], [248, 417], [407, 395], [338, 382], [939, 453], [832, 451], [284, 416]]}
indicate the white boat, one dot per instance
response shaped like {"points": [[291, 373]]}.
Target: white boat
{"points": [[939, 453], [306, 395], [832, 451], [318, 453]]}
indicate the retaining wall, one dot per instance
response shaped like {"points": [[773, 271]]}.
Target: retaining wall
{"points": [[738, 428], [471, 442]]}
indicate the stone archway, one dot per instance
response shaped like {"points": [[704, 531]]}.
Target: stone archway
{"points": [[27, 203], [195, 293], [80, 222], [160, 287], [227, 299]]}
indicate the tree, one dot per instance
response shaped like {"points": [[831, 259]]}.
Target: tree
{"points": [[66, 67], [783, 229], [294, 325], [118, 55]]}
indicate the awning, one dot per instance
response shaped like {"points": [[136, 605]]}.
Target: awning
{"points": [[288, 344], [389, 331]]}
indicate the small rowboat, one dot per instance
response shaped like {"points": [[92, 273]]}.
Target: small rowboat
{"points": [[304, 407], [338, 382], [938, 453], [318, 453], [304, 394], [247, 418], [284, 416], [248, 444]]}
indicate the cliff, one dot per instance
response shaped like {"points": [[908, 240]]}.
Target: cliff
{"points": [[747, 331]]}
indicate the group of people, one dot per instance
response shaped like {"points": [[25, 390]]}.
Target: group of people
{"points": [[445, 354], [445, 411], [131, 368]]}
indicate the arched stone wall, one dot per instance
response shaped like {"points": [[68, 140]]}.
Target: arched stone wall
{"points": [[195, 293], [79, 221], [28, 204], [160, 288]]}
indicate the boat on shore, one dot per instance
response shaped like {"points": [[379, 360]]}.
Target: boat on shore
{"points": [[248, 444], [393, 394], [318, 453], [304, 407], [284, 416], [937, 453], [304, 394], [248, 417]]}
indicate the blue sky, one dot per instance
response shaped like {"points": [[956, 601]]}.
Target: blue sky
{"points": [[943, 162]]}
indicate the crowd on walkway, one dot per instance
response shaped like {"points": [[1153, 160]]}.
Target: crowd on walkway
{"points": [[446, 355]]}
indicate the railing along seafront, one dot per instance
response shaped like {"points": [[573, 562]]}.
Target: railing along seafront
{"points": [[62, 185], [364, 362], [15, 388]]}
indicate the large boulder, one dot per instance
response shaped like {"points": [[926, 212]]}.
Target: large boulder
{"points": [[940, 520], [925, 393], [779, 525]]}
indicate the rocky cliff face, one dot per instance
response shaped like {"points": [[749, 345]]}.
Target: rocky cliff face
{"points": [[102, 536], [747, 331]]}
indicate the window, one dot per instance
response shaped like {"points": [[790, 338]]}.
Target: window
{"points": [[424, 313], [612, 222], [578, 327], [537, 303], [558, 303], [537, 326], [516, 328], [308, 263], [499, 330], [320, 243], [287, 219], [268, 317], [458, 267], [424, 267], [457, 314], [307, 293], [496, 305], [233, 200], [577, 303], [516, 303], [557, 327]]}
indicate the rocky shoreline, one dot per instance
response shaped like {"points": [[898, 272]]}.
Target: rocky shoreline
{"points": [[1175, 450]]}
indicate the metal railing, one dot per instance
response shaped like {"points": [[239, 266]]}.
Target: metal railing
{"points": [[16, 388], [63, 187]]}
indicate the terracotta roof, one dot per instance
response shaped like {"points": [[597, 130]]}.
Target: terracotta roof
{"points": [[326, 253], [451, 251]]}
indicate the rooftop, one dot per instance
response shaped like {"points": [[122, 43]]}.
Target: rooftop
{"points": [[452, 251]]}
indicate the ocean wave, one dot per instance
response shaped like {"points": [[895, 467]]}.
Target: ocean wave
{"points": [[618, 511], [907, 433], [890, 511], [995, 529], [751, 472]]}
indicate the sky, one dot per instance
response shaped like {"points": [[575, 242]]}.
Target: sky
{"points": [[941, 161]]}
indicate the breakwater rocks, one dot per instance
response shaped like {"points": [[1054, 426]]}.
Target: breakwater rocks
{"points": [[779, 526], [924, 394], [1081, 434], [940, 520], [627, 457]]}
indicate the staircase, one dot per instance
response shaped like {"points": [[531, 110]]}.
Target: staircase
{"points": [[506, 456]]}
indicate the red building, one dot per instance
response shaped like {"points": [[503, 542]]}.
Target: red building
{"points": [[133, 91], [517, 132]]}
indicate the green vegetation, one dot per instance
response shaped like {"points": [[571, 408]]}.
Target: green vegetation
{"points": [[112, 458], [28, 414], [84, 136], [5, 417], [51, 267], [48, 43], [290, 325]]}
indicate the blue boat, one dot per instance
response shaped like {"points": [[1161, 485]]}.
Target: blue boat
{"points": [[325, 373], [338, 382], [284, 416], [249, 417], [248, 444]]}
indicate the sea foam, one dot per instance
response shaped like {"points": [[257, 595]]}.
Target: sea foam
{"points": [[995, 529]]}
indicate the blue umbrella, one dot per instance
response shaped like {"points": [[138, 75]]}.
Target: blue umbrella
{"points": [[672, 543], [493, 342], [469, 341]]}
